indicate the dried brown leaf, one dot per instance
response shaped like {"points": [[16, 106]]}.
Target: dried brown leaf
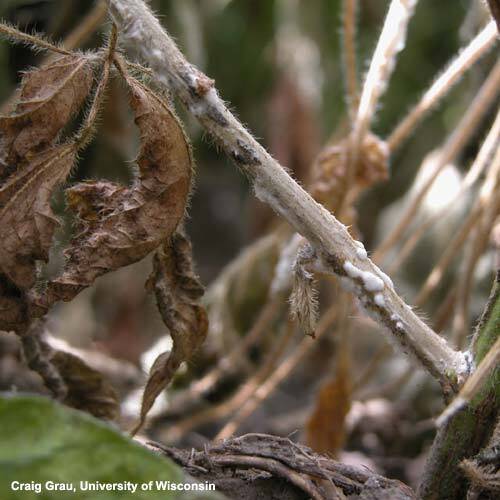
{"points": [[49, 97], [87, 389], [178, 292], [26, 218], [118, 225], [326, 427], [330, 169]]}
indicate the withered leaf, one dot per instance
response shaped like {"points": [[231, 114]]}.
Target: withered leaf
{"points": [[49, 97], [87, 389], [26, 218], [326, 426], [178, 292], [119, 225]]}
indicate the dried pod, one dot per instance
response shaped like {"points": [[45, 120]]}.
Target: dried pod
{"points": [[178, 292]]}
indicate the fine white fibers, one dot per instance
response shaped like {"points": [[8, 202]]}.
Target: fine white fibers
{"points": [[379, 300], [371, 282], [351, 270]]}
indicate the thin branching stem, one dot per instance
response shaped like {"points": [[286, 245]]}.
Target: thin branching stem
{"points": [[490, 144], [486, 196], [476, 49], [286, 367], [391, 41], [350, 59], [453, 146], [35, 40]]}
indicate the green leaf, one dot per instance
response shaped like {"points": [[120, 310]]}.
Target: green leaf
{"points": [[41, 441]]}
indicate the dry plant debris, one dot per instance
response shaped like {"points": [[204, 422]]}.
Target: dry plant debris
{"points": [[115, 225]]}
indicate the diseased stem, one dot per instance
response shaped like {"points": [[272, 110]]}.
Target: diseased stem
{"points": [[350, 60], [144, 38], [468, 430], [391, 41]]}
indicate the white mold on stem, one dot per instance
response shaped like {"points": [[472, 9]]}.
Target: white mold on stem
{"points": [[146, 40]]}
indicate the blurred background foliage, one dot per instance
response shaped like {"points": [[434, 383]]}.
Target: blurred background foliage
{"points": [[278, 63]]}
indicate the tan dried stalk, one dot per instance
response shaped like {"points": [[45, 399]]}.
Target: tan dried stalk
{"points": [[233, 360], [391, 41], [264, 390], [488, 193], [350, 59], [487, 149], [145, 38], [490, 197], [242, 394], [455, 143], [476, 49]]}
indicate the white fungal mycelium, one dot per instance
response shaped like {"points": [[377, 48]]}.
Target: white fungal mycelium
{"points": [[351, 270], [282, 280], [379, 300], [371, 283]]}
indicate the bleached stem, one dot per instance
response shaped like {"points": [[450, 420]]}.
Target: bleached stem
{"points": [[391, 41], [145, 38], [476, 49]]}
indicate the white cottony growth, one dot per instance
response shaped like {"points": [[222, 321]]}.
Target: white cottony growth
{"points": [[379, 300], [391, 41], [351, 270], [372, 283]]}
